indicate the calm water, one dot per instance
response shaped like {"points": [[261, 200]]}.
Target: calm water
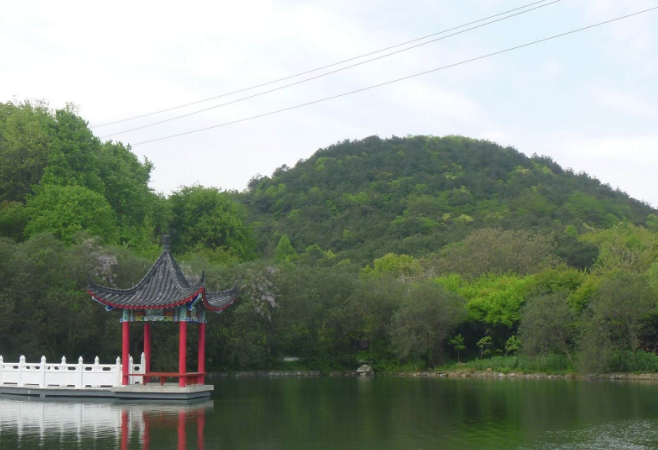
{"points": [[353, 413]]}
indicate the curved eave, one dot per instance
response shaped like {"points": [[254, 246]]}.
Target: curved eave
{"points": [[219, 308], [181, 302], [229, 297]]}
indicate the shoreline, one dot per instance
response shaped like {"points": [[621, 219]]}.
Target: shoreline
{"points": [[442, 374]]}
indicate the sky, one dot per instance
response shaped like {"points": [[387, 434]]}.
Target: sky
{"points": [[588, 100]]}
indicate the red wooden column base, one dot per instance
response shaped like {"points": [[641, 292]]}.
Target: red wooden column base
{"points": [[182, 354], [202, 353], [125, 352], [147, 350]]}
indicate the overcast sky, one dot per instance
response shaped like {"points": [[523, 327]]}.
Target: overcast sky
{"points": [[589, 100]]}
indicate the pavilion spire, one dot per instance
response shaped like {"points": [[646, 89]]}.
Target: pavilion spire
{"points": [[166, 243]]}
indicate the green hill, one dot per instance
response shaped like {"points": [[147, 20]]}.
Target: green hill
{"points": [[363, 199]]}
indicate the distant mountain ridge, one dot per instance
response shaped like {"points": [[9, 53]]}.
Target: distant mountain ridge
{"points": [[413, 195]]}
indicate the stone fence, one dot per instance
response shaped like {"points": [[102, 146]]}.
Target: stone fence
{"points": [[62, 375]]}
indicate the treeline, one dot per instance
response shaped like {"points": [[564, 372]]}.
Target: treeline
{"points": [[57, 177], [407, 253], [399, 313]]}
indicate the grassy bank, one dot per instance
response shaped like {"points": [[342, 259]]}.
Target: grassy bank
{"points": [[550, 364], [618, 362]]}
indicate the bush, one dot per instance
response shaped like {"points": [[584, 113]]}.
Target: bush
{"points": [[552, 363], [641, 361]]}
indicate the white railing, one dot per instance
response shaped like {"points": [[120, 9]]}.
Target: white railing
{"points": [[63, 375]]}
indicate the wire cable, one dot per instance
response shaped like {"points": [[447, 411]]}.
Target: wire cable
{"points": [[324, 74], [314, 70], [528, 44]]}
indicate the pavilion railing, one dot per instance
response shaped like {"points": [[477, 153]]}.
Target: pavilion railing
{"points": [[62, 375]]}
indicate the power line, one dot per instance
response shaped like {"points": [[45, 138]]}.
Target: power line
{"points": [[325, 74], [314, 70], [528, 44]]}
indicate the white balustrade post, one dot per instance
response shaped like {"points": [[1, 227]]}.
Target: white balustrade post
{"points": [[2, 361], [131, 380], [97, 361], [142, 368], [119, 369], [81, 369], [42, 378], [62, 370], [21, 364]]}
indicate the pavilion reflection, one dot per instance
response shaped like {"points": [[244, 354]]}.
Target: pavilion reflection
{"points": [[130, 426]]}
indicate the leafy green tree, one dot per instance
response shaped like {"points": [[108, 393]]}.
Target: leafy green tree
{"points": [[67, 210], [25, 139], [425, 320], [73, 153], [548, 325], [485, 346], [652, 222], [284, 251], [457, 343], [617, 315], [13, 219], [396, 265], [497, 300], [208, 218], [512, 345], [494, 251]]}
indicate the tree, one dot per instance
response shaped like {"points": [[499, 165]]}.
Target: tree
{"points": [[13, 218], [485, 346], [652, 222], [67, 210], [512, 345], [497, 301], [284, 251], [548, 325], [617, 314], [457, 343], [25, 140], [207, 217], [494, 251], [404, 266], [425, 319]]}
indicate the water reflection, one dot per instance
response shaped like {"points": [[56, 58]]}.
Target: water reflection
{"points": [[33, 423], [352, 414]]}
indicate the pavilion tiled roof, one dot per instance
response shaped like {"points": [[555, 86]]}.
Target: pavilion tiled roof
{"points": [[164, 286]]}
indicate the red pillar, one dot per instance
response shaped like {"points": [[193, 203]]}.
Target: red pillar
{"points": [[182, 353], [202, 353], [147, 349], [125, 353], [181, 427]]}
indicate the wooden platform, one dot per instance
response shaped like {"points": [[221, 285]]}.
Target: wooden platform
{"points": [[167, 391]]}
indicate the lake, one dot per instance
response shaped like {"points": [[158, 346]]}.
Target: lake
{"points": [[353, 413]]}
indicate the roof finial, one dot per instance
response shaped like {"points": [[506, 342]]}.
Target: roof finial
{"points": [[166, 243]]}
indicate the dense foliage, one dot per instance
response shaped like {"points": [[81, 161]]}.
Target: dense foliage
{"points": [[364, 199], [405, 252]]}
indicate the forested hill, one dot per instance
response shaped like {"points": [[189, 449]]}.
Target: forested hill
{"points": [[363, 199]]}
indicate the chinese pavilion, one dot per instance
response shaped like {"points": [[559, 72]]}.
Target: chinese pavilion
{"points": [[164, 295]]}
